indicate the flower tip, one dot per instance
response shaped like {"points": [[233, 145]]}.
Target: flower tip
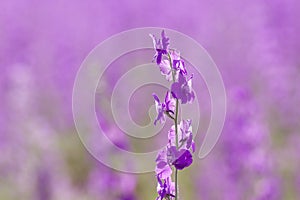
{"points": [[192, 75], [155, 97], [174, 95]]}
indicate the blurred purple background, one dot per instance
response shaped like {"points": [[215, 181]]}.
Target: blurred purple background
{"points": [[255, 44]]}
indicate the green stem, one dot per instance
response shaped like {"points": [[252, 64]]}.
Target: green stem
{"points": [[176, 185], [173, 73], [176, 133], [176, 128], [176, 122]]}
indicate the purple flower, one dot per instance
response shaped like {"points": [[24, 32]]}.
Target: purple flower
{"points": [[162, 107], [165, 40], [183, 89], [177, 66], [165, 188], [166, 70], [162, 166], [185, 135], [161, 46], [177, 62], [179, 158], [170, 66]]}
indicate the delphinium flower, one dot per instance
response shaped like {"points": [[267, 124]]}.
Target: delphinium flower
{"points": [[171, 66], [165, 189], [185, 135], [177, 155], [164, 108], [183, 89], [161, 46]]}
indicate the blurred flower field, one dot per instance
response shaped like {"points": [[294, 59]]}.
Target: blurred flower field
{"points": [[255, 45]]}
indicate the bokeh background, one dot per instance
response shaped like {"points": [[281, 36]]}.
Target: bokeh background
{"points": [[255, 45]]}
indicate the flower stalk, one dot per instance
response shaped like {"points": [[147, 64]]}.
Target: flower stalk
{"points": [[177, 155], [176, 132]]}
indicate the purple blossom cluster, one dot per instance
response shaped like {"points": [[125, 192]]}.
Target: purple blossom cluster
{"points": [[177, 155], [30, 158], [247, 169]]}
